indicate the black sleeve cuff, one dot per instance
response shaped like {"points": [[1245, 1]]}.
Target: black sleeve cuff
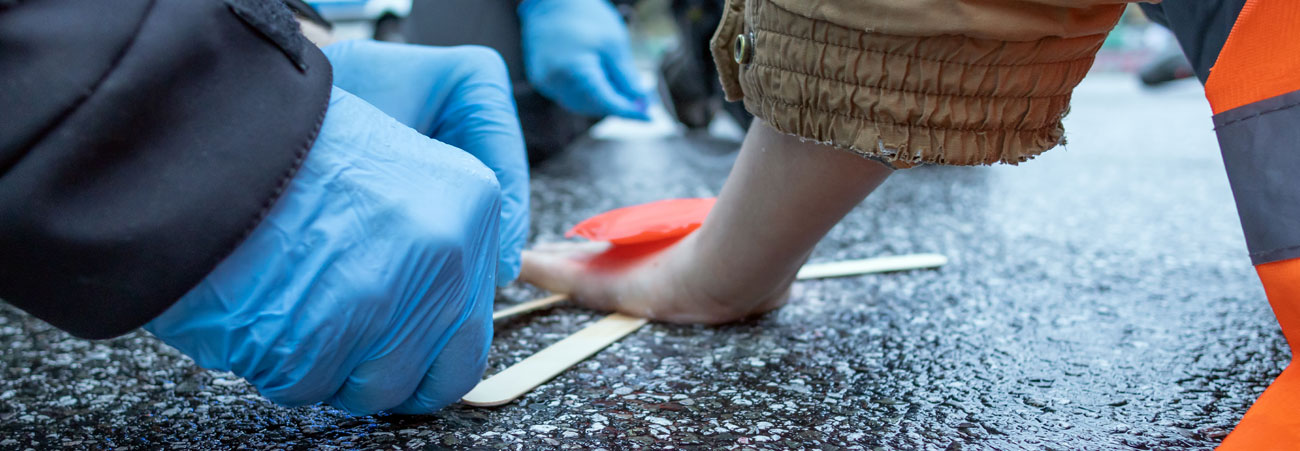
{"points": [[142, 141]]}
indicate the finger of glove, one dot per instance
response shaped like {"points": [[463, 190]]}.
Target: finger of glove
{"points": [[410, 245], [372, 71], [454, 362], [458, 95], [423, 332], [584, 87], [623, 74], [443, 288], [480, 118], [382, 383], [457, 368]]}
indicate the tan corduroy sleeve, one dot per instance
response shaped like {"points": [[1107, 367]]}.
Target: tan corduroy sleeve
{"points": [[921, 81]]}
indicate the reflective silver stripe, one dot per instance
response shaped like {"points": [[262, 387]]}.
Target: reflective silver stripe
{"points": [[1261, 150]]}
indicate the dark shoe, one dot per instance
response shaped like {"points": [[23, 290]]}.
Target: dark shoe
{"points": [[1166, 68], [684, 89]]}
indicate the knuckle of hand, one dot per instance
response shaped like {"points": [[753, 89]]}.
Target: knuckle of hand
{"points": [[444, 229], [437, 234], [484, 183]]}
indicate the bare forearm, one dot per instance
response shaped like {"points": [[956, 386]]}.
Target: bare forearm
{"points": [[782, 197]]}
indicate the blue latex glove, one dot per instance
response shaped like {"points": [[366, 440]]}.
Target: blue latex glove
{"points": [[369, 284], [458, 95], [576, 53]]}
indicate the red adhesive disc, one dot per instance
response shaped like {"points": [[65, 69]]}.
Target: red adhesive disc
{"points": [[665, 219]]}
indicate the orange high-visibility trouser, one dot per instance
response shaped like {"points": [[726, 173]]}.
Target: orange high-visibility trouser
{"points": [[1254, 90]]}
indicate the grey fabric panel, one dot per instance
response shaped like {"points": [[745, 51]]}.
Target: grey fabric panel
{"points": [[489, 23], [1202, 26], [1261, 150]]}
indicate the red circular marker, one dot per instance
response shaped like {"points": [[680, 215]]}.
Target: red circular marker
{"points": [[661, 220]]}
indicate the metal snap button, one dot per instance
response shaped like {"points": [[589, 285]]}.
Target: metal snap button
{"points": [[744, 48]]}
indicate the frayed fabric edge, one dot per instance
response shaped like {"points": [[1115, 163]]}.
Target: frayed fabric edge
{"points": [[902, 146]]}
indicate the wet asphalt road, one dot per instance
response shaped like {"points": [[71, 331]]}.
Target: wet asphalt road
{"points": [[1098, 298]]}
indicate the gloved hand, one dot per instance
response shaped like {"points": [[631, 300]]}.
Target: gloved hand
{"points": [[576, 53], [457, 95], [368, 285]]}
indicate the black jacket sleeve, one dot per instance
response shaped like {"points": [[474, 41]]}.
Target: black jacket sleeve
{"points": [[140, 142]]}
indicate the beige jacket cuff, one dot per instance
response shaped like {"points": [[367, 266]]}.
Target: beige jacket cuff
{"points": [[905, 99]]}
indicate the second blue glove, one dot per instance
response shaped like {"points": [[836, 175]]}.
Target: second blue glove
{"points": [[576, 53]]}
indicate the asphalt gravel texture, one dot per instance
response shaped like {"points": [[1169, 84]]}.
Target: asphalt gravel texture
{"points": [[1098, 297]]}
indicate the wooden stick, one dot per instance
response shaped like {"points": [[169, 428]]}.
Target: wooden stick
{"points": [[535, 370], [529, 306], [524, 376], [871, 265]]}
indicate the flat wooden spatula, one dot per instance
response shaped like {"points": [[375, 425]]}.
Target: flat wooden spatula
{"points": [[535, 370]]}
